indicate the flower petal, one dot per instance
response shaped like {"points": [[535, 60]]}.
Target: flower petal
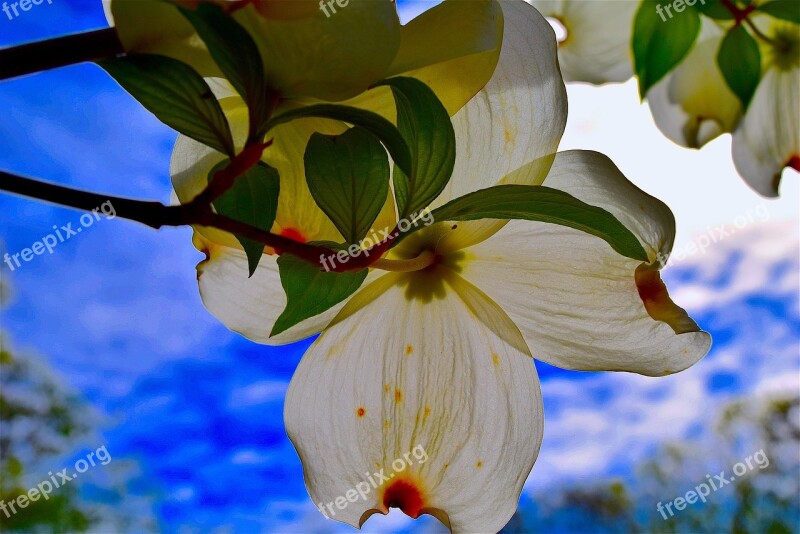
{"points": [[298, 213], [509, 132], [331, 57], [453, 47], [597, 44], [768, 139], [579, 304], [693, 105], [157, 27], [405, 375], [521, 113], [251, 305]]}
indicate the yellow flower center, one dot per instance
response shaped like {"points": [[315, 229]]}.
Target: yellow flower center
{"points": [[785, 52], [426, 269]]}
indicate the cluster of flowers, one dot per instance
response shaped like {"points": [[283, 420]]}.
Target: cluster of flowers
{"points": [[693, 104]]}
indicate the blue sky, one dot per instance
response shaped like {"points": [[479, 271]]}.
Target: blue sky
{"points": [[116, 312]]}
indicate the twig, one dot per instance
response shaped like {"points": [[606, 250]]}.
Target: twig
{"points": [[59, 52], [157, 215]]}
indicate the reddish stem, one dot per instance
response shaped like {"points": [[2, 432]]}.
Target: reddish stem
{"points": [[738, 14]]}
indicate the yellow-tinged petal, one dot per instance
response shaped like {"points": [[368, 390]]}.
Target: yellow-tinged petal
{"points": [[453, 47], [333, 57], [248, 305], [157, 27], [521, 113], [298, 215], [510, 130], [579, 304], [693, 105], [425, 382], [596, 47]]}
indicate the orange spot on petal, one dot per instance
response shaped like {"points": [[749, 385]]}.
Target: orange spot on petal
{"points": [[409, 350], [294, 234], [658, 303], [794, 162], [361, 412], [398, 395], [479, 464], [405, 496]]}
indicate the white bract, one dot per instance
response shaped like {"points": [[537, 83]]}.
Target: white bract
{"points": [[596, 44], [694, 105], [442, 357]]}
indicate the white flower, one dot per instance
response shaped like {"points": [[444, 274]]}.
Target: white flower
{"points": [[693, 105], [597, 44], [442, 357]]}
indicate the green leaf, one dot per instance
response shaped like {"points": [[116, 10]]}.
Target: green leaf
{"points": [[782, 9], [426, 127], [236, 54], [739, 59], [348, 176], [544, 204], [253, 200], [310, 291], [660, 42], [714, 9], [176, 94], [372, 122]]}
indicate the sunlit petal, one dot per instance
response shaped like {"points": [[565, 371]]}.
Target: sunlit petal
{"points": [[596, 46], [693, 105], [579, 304], [768, 140], [416, 372]]}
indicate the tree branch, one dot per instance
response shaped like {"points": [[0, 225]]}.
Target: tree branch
{"points": [[59, 52], [157, 215]]}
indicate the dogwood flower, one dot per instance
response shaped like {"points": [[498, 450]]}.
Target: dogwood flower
{"points": [[693, 105], [442, 357], [596, 45]]}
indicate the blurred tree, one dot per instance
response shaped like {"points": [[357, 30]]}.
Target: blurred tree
{"points": [[41, 424], [766, 499], [37, 421]]}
